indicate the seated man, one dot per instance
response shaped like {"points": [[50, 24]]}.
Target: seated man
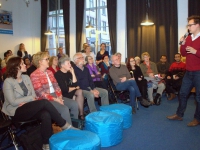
{"points": [[174, 76], [85, 82], [123, 81], [163, 66]]}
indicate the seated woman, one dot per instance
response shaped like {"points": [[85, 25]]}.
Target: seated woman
{"points": [[21, 102], [46, 87], [149, 70], [95, 74], [88, 52], [68, 83], [136, 72], [27, 62], [104, 67], [53, 64]]}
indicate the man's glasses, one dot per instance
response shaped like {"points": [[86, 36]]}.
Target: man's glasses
{"points": [[80, 58], [189, 25]]}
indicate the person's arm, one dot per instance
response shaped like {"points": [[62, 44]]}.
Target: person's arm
{"points": [[8, 90], [91, 83], [114, 75]]}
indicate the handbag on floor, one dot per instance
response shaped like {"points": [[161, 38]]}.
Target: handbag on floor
{"points": [[31, 139]]}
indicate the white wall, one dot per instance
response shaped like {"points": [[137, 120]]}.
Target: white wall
{"points": [[26, 26]]}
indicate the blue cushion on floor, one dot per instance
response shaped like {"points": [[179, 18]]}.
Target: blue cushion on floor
{"points": [[107, 125], [122, 109], [74, 140]]}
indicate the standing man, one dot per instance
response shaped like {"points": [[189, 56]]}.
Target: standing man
{"points": [[190, 47]]}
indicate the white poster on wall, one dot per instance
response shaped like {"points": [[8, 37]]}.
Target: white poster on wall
{"points": [[6, 22]]}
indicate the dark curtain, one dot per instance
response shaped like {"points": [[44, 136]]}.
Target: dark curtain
{"points": [[66, 13], [159, 39], [193, 7], [43, 24], [79, 23], [112, 12]]}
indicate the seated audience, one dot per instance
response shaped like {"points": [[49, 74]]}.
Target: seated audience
{"points": [[86, 83], [3, 62], [149, 70], [104, 67], [174, 76], [94, 72], [163, 66], [88, 52], [123, 81], [101, 53], [120, 58], [27, 62], [137, 60], [21, 102], [60, 52], [9, 52], [46, 87], [136, 73], [68, 83], [53, 64], [84, 46], [32, 68]]}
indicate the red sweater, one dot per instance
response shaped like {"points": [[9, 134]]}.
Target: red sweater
{"points": [[192, 60], [41, 84]]}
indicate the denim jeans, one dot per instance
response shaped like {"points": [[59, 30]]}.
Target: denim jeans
{"points": [[191, 79], [132, 87]]}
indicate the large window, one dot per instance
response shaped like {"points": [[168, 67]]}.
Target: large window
{"points": [[56, 25], [96, 15]]}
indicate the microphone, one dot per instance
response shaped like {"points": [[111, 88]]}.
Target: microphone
{"points": [[185, 36]]}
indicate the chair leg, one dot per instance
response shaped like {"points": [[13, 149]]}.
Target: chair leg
{"points": [[13, 137]]}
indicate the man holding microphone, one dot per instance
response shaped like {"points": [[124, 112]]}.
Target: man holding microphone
{"points": [[190, 47]]}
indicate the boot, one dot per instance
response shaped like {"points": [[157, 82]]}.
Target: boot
{"points": [[172, 96], [157, 99]]}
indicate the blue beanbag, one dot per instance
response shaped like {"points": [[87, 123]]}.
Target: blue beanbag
{"points": [[107, 125], [122, 109], [74, 140]]}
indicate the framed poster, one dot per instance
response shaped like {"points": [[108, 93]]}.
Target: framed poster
{"points": [[6, 23]]}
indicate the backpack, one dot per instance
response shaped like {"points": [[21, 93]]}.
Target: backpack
{"points": [[32, 139]]}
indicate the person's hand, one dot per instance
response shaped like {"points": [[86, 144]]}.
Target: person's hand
{"points": [[168, 77], [123, 79], [78, 87], [98, 73], [182, 40], [176, 77], [21, 104], [191, 50], [59, 100], [132, 79], [93, 75], [95, 92], [151, 75], [72, 70], [139, 79]]}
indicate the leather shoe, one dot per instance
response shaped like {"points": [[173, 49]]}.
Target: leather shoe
{"points": [[193, 123], [175, 117]]}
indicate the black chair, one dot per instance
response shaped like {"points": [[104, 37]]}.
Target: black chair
{"points": [[122, 95]]}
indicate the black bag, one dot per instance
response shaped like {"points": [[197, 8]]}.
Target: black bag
{"points": [[32, 139]]}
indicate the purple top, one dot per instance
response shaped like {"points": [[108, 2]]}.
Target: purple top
{"points": [[94, 71]]}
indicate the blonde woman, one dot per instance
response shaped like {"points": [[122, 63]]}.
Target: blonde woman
{"points": [[46, 87], [150, 72]]}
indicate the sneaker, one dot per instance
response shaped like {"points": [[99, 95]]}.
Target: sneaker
{"points": [[45, 147]]}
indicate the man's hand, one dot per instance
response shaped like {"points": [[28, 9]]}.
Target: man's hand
{"points": [[95, 92], [123, 79], [168, 77], [191, 50], [131, 79]]}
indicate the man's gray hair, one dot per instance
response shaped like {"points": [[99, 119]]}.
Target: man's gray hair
{"points": [[62, 60], [116, 54], [76, 55]]}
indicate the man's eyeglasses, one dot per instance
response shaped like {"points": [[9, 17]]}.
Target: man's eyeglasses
{"points": [[47, 59], [189, 25]]}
